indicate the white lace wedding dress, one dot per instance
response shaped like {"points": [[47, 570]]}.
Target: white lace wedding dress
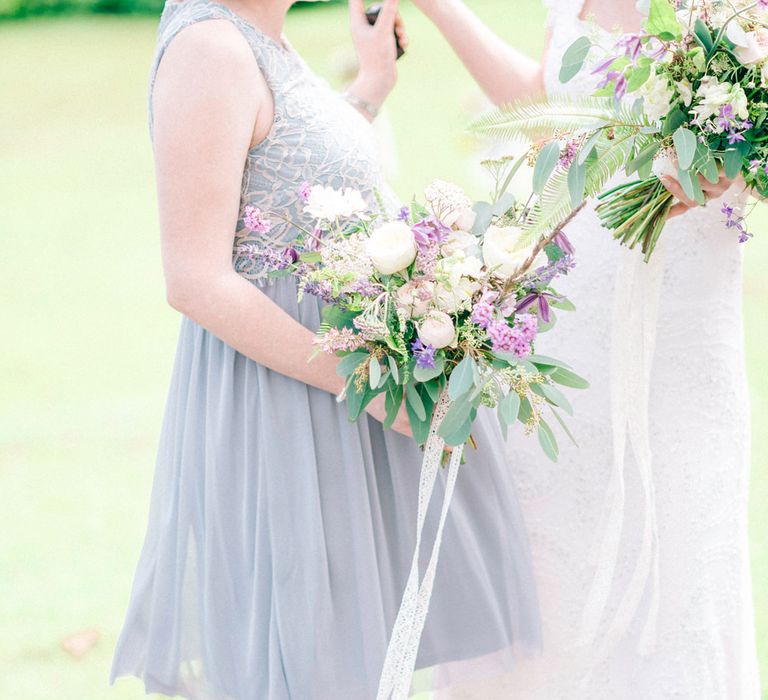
{"points": [[639, 536]]}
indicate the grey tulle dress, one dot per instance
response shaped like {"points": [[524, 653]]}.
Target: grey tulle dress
{"points": [[280, 534]]}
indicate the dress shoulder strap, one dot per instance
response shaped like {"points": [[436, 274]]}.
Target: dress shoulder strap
{"points": [[270, 55]]}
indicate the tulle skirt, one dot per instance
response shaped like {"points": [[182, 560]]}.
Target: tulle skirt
{"points": [[280, 537]]}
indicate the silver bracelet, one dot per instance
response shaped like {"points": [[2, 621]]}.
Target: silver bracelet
{"points": [[360, 103]]}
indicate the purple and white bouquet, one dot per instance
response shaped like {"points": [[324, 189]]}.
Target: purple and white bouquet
{"points": [[687, 97], [438, 307], [440, 299]]}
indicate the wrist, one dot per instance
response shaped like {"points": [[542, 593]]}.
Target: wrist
{"points": [[372, 87]]}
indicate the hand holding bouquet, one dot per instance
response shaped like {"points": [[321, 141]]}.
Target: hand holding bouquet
{"points": [[440, 300], [686, 98]]}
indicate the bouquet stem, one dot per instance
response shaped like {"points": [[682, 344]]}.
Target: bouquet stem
{"points": [[636, 213]]}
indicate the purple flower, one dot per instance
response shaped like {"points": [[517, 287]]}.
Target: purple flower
{"points": [[517, 338], [304, 191], [632, 44], [365, 288], [255, 220], [424, 354], [429, 230], [403, 214], [733, 220], [620, 83], [482, 314], [539, 298], [603, 65], [562, 242], [568, 153], [733, 137]]}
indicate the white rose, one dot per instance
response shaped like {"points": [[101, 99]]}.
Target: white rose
{"points": [[414, 297], [437, 330], [500, 251], [459, 241], [391, 247], [755, 49], [466, 219], [327, 203]]}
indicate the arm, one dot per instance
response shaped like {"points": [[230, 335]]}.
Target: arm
{"points": [[376, 52], [503, 73], [203, 128]]}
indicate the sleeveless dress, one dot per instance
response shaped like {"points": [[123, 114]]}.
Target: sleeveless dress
{"points": [[639, 536], [280, 534]]}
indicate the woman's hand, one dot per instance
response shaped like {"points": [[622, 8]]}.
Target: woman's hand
{"points": [[376, 51], [711, 191], [377, 410]]}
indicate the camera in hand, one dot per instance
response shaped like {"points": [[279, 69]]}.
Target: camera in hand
{"points": [[372, 14]]}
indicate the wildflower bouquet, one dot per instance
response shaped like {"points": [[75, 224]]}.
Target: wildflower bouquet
{"points": [[438, 300], [438, 308], [687, 97]]}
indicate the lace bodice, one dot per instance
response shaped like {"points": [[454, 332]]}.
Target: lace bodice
{"points": [[316, 137]]}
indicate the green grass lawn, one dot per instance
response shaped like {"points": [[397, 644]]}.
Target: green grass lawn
{"points": [[89, 340]]}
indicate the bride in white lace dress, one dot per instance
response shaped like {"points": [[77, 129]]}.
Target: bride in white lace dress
{"points": [[639, 537]]}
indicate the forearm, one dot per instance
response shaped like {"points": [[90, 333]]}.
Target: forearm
{"points": [[237, 312], [503, 73]]}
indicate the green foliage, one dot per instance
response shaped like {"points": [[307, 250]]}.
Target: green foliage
{"points": [[26, 8]]}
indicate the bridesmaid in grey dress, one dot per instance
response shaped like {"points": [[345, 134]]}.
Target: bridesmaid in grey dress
{"points": [[280, 534]]}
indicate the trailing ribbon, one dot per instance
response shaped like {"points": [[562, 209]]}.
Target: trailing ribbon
{"points": [[633, 341], [400, 661]]}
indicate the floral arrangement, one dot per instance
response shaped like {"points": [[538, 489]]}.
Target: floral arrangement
{"points": [[687, 96], [440, 299]]}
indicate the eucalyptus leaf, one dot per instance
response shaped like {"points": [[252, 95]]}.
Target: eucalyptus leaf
{"points": [[577, 178], [545, 165], [710, 170], [673, 120], [394, 368], [424, 374], [555, 396], [392, 402], [589, 147], [503, 204], [644, 156], [732, 163], [573, 58], [432, 387], [419, 426], [564, 426], [525, 413], [509, 407], [455, 418], [414, 401], [349, 363], [567, 378], [462, 378], [374, 373], [484, 214], [685, 145], [548, 441], [460, 435]]}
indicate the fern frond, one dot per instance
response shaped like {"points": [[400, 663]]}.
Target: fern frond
{"points": [[537, 119], [555, 205]]}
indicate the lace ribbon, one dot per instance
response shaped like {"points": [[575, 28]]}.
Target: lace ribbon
{"points": [[634, 321], [400, 661]]}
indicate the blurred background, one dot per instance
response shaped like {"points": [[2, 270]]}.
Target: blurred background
{"points": [[89, 340]]}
